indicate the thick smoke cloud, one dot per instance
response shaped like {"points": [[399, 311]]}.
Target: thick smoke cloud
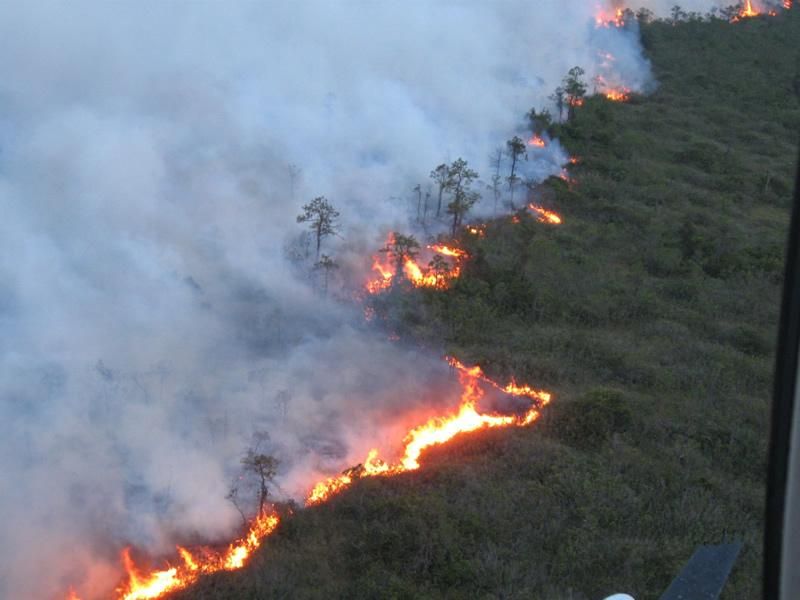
{"points": [[150, 323]]}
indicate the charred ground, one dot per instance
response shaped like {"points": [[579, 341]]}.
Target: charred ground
{"points": [[651, 313]]}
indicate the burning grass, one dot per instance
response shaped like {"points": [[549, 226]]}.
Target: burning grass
{"points": [[192, 564]]}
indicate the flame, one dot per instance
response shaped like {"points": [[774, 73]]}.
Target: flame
{"points": [[565, 176], [145, 585], [620, 95], [602, 19], [479, 230], [384, 264], [385, 270], [141, 585], [748, 10], [448, 251], [536, 141], [545, 216], [437, 431], [72, 594]]}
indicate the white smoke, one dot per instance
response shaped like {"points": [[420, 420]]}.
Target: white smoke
{"points": [[149, 320]]}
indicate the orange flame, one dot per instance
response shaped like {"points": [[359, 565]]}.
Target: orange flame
{"points": [[537, 141], [750, 9], [602, 19], [545, 216], [619, 95], [384, 264], [448, 251], [385, 270], [437, 431], [479, 230], [154, 584]]}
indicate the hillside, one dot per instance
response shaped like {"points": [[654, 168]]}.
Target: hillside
{"points": [[651, 314]]}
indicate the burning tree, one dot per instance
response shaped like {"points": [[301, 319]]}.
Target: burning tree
{"points": [[402, 248], [322, 218], [574, 90], [516, 148], [459, 182]]}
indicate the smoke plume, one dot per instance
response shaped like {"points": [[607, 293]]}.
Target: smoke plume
{"points": [[153, 158]]}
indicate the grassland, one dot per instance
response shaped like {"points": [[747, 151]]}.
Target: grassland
{"points": [[651, 313]]}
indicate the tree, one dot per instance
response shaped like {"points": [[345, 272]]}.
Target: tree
{"points": [[295, 173], [259, 470], [558, 98], [263, 467], [459, 181], [401, 248], [540, 122], [322, 219], [644, 16], [515, 148], [495, 160], [574, 90], [677, 14], [440, 269], [418, 190], [439, 175], [425, 210], [326, 264]]}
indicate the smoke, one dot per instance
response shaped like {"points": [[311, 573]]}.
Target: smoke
{"points": [[152, 162]]}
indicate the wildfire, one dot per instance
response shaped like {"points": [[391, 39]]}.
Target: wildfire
{"points": [[537, 141], [749, 9], [478, 230], [448, 251], [605, 20], [438, 430], [576, 102], [385, 264], [385, 270], [565, 176], [140, 585], [545, 216], [620, 95]]}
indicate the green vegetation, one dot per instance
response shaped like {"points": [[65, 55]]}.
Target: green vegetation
{"points": [[651, 313]]}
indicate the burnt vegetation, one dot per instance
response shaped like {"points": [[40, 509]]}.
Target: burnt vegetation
{"points": [[651, 313]]}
